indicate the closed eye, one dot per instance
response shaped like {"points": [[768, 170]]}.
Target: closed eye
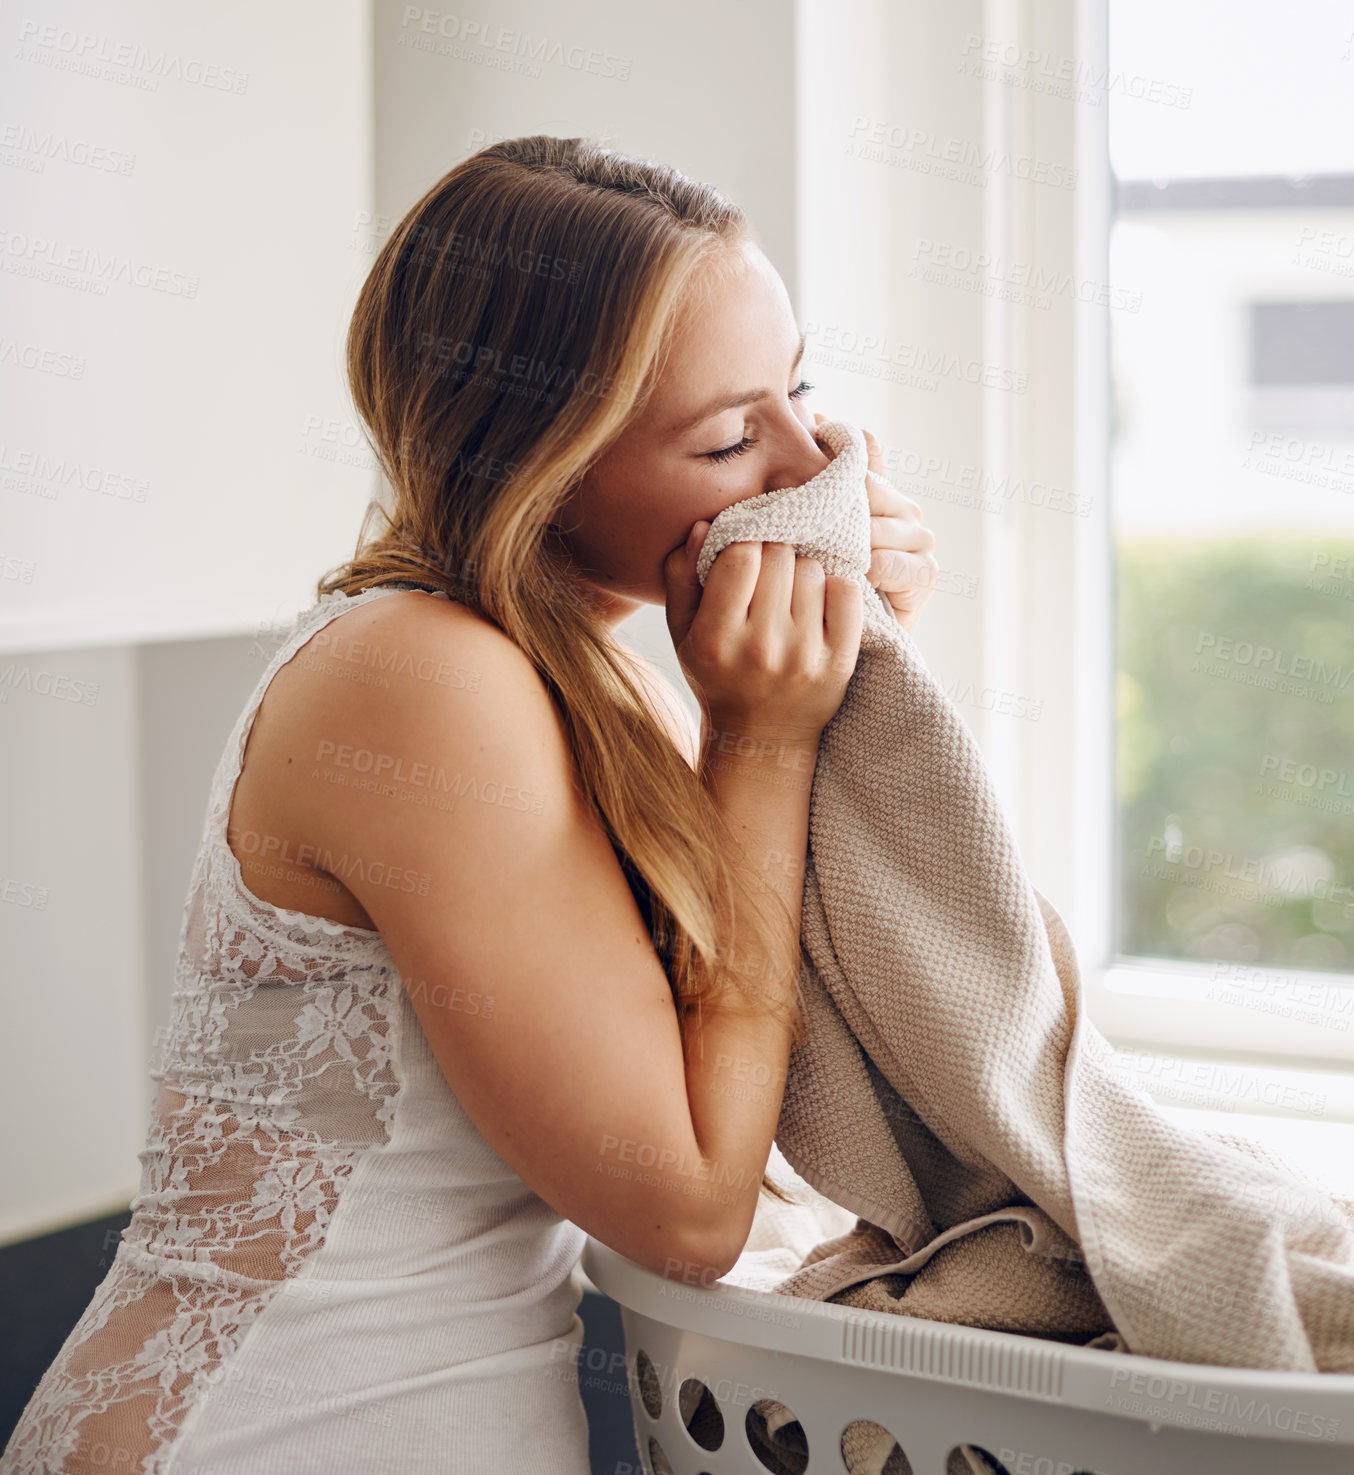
{"points": [[747, 442]]}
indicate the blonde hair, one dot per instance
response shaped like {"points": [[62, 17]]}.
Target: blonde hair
{"points": [[511, 327]]}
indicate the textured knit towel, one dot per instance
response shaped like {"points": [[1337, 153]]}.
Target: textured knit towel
{"points": [[951, 1092]]}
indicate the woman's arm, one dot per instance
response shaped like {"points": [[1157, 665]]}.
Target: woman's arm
{"points": [[521, 949], [736, 1055]]}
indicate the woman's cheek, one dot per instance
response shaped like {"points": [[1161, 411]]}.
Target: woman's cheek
{"points": [[737, 489]]}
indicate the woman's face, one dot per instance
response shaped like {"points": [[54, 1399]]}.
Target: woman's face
{"points": [[731, 381]]}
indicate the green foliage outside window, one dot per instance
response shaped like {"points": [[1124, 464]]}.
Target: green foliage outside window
{"points": [[1235, 750]]}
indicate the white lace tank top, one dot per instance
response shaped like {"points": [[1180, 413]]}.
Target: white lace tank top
{"points": [[328, 1268]]}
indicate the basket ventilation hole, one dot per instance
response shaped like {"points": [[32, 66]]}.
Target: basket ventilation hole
{"points": [[777, 1437], [971, 1459], [869, 1449], [700, 1413], [658, 1459], [650, 1395]]}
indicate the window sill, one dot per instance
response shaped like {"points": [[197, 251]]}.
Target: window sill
{"points": [[1296, 1027]]}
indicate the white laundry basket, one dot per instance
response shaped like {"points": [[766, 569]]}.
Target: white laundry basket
{"points": [[1034, 1406]]}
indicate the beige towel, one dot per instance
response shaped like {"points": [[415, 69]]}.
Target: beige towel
{"points": [[951, 1092]]}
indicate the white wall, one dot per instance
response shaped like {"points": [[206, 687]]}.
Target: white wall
{"points": [[201, 287], [869, 74], [73, 1039], [158, 483]]}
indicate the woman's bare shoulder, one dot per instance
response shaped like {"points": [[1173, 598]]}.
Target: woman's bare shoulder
{"points": [[410, 636], [413, 643], [434, 620], [390, 675], [444, 624]]}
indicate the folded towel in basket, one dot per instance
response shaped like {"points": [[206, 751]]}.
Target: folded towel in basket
{"points": [[950, 1091]]}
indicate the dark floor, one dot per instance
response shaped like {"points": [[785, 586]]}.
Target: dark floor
{"points": [[46, 1283]]}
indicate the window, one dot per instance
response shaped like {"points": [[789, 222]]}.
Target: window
{"points": [[1302, 364], [1232, 508]]}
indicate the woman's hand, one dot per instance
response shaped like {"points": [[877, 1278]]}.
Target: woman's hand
{"points": [[902, 563], [770, 642]]}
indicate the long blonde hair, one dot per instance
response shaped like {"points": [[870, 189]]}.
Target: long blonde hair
{"points": [[511, 327]]}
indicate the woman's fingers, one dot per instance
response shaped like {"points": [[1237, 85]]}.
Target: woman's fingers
{"points": [[775, 585], [843, 622], [728, 590], [874, 453], [683, 587], [885, 499], [900, 532], [806, 602], [907, 579]]}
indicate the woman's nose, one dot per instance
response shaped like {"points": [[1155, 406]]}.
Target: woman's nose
{"points": [[802, 459]]}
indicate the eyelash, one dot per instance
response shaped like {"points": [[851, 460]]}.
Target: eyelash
{"points": [[746, 444]]}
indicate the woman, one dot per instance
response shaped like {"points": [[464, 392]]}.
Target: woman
{"points": [[422, 1040]]}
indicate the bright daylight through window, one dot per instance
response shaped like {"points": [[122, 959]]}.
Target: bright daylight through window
{"points": [[1232, 483]]}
